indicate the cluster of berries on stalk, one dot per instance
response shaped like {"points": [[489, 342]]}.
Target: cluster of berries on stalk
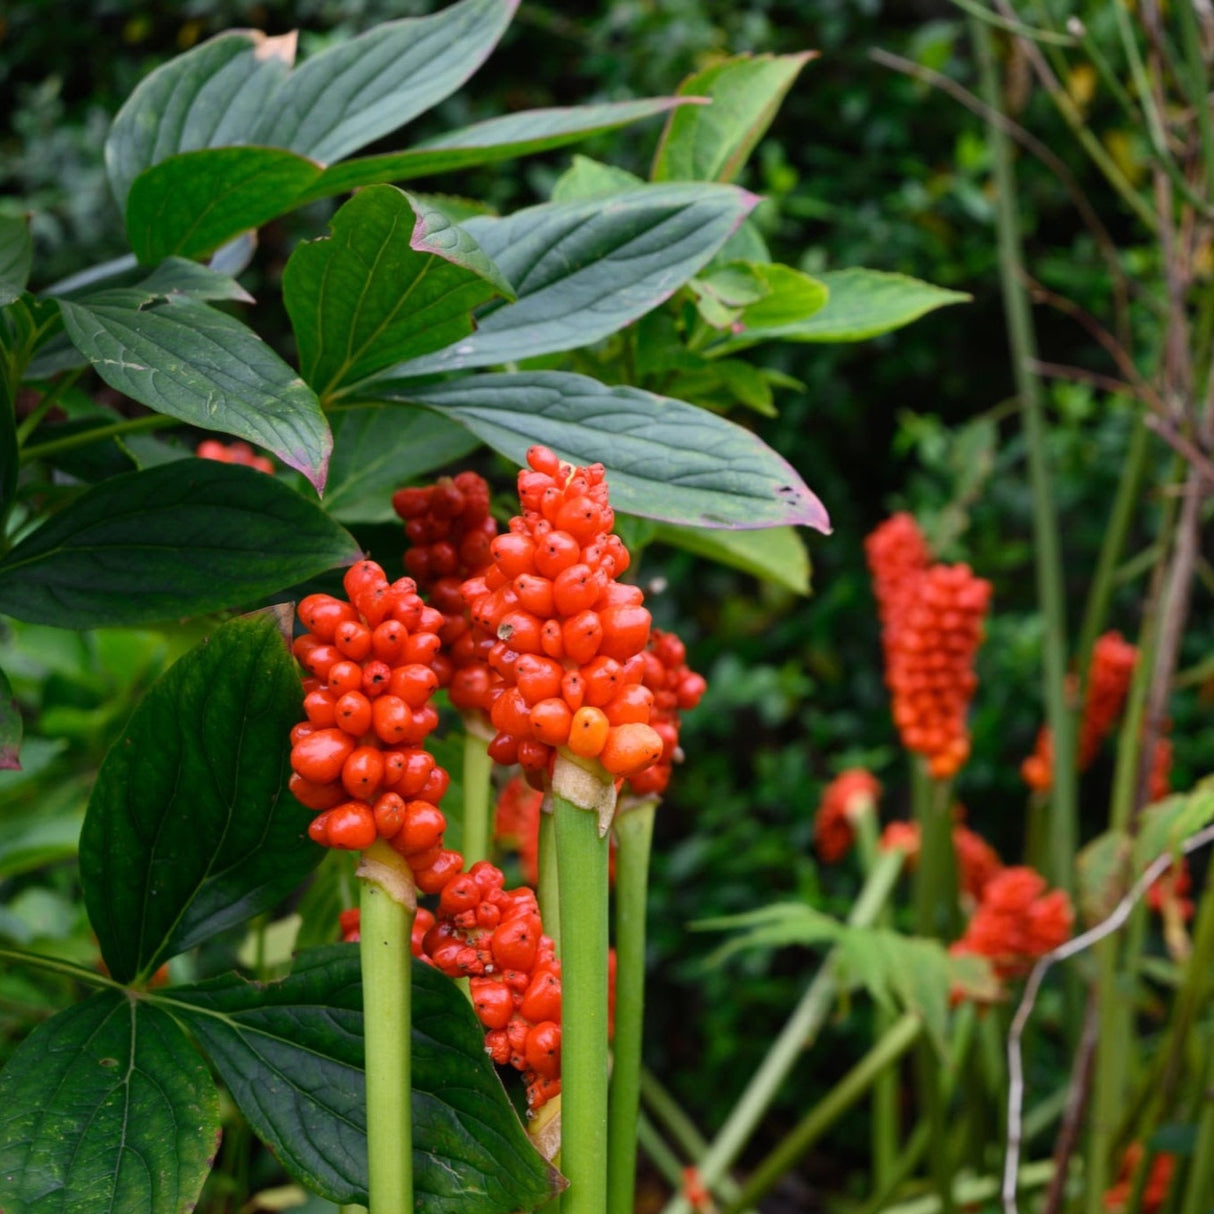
{"points": [[845, 799], [1017, 921], [1112, 665], [567, 664], [676, 689], [234, 453], [449, 529], [932, 619]]}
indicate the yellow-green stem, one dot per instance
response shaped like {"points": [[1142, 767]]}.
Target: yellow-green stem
{"points": [[478, 800], [634, 834], [385, 928], [548, 892], [582, 859]]}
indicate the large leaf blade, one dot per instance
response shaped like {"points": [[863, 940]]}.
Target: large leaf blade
{"points": [[16, 256], [106, 1107], [712, 143], [212, 96], [775, 554], [491, 141], [292, 1055], [586, 268], [206, 368], [191, 203], [352, 93], [192, 536], [666, 459], [189, 829], [395, 280]]}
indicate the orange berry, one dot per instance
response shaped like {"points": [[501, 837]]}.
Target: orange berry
{"points": [[550, 721], [320, 756], [629, 749], [588, 732]]}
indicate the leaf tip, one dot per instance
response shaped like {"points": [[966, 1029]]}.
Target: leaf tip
{"points": [[8, 759]]}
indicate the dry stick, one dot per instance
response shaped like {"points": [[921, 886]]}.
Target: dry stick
{"points": [[1078, 1091], [1106, 927]]}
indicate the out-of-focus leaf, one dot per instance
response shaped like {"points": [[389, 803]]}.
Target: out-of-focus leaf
{"points": [[16, 256], [10, 727], [587, 178], [713, 142]]}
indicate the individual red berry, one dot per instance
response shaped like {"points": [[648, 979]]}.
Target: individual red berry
{"points": [[320, 757], [492, 1002], [352, 713], [363, 772], [350, 826], [543, 1049], [629, 749]]}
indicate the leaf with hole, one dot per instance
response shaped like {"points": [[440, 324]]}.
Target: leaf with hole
{"points": [[665, 459]]}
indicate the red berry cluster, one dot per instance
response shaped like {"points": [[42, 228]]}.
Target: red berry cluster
{"points": [[1113, 661], [358, 758], [977, 861], [676, 689], [1016, 921], [1154, 1191], [494, 937], [897, 555], [931, 664], [449, 529], [566, 666], [234, 453], [850, 794]]}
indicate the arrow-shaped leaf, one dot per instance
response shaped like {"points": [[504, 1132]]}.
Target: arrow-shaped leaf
{"points": [[206, 368], [665, 459], [397, 279], [106, 1107], [291, 1053]]}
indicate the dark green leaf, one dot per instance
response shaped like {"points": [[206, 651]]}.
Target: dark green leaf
{"points": [[862, 304], [351, 94], [10, 727], [585, 269], [665, 459], [194, 202], [16, 256], [712, 142], [212, 96], [189, 829], [775, 554], [180, 276], [106, 1108], [488, 142], [206, 368], [291, 1053], [180, 539], [397, 279], [380, 449]]}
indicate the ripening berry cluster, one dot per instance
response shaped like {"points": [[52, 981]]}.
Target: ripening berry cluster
{"points": [[897, 555], [1113, 661], [449, 529], [930, 664], [850, 794], [566, 668], [1155, 1188], [234, 453], [358, 758], [676, 689], [1016, 921]]}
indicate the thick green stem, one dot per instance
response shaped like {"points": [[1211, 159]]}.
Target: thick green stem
{"points": [[800, 1030], [387, 903], [1063, 831], [478, 812], [548, 893], [634, 834], [582, 858], [1200, 1183], [828, 1110]]}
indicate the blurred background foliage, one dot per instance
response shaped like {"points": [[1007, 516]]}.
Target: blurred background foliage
{"points": [[863, 166]]}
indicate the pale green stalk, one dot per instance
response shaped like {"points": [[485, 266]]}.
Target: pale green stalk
{"points": [[478, 800], [547, 892], [582, 859], [387, 902], [634, 834]]}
